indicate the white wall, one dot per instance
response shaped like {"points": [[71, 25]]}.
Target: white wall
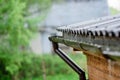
{"points": [[35, 44]]}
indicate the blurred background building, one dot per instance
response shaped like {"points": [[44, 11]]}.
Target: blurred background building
{"points": [[64, 13]]}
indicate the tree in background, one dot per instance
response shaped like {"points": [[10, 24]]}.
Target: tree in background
{"points": [[14, 35]]}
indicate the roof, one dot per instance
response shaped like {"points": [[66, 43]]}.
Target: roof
{"points": [[74, 12], [103, 33], [102, 27]]}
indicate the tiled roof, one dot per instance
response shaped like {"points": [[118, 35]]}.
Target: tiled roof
{"points": [[104, 26]]}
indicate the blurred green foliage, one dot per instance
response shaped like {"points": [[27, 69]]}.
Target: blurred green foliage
{"points": [[114, 11], [15, 36], [54, 67]]}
